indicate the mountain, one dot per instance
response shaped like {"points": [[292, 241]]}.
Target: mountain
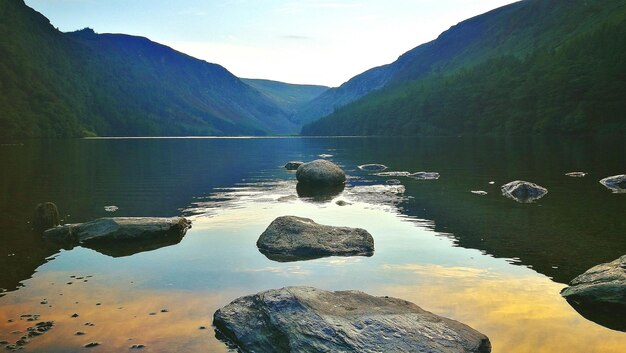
{"points": [[58, 84], [290, 97], [535, 66]]}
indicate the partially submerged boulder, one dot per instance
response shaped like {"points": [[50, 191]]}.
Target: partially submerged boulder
{"points": [[291, 238], [320, 172], [46, 216], [118, 229], [424, 175], [373, 167], [599, 294], [615, 183], [306, 319], [601, 284], [576, 174], [523, 191], [293, 165]]}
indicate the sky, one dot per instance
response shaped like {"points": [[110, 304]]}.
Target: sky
{"points": [[308, 41]]}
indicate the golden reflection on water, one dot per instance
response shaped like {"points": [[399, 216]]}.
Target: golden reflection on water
{"points": [[518, 314], [519, 310], [125, 316]]}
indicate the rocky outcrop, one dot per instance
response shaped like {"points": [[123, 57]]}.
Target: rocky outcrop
{"points": [[320, 172], [293, 165], [523, 191], [615, 183], [46, 216], [118, 229], [601, 284], [291, 238], [305, 319]]}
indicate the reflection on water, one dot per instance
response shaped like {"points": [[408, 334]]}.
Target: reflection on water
{"points": [[437, 244]]}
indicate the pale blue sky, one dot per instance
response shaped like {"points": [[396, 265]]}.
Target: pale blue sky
{"points": [[311, 41]]}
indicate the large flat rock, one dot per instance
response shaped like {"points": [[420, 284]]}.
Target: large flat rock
{"points": [[118, 229], [305, 319], [291, 238]]}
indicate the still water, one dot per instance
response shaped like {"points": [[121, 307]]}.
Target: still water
{"points": [[484, 260]]}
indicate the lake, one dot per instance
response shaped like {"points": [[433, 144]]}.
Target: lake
{"points": [[485, 260]]}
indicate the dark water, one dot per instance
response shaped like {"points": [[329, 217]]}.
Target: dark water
{"points": [[486, 260]]}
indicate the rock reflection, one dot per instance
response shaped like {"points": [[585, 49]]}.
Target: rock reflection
{"points": [[319, 193]]}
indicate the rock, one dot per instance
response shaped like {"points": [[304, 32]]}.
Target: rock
{"points": [[393, 182], [324, 155], [293, 165], [118, 229], [320, 172], [111, 208], [287, 198], [599, 294], [523, 191], [615, 183], [305, 319], [478, 192], [373, 167], [46, 216], [393, 174], [576, 174], [424, 175], [342, 203], [604, 283], [290, 238], [91, 344]]}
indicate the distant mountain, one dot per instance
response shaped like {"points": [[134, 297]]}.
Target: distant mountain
{"points": [[290, 97], [79, 84], [536, 66]]}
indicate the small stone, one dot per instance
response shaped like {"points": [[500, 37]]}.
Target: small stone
{"points": [[89, 324], [202, 328], [164, 310], [342, 203], [98, 303], [91, 344], [74, 315], [137, 346], [152, 314], [79, 333]]}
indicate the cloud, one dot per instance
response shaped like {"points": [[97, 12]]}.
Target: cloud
{"points": [[302, 6]]}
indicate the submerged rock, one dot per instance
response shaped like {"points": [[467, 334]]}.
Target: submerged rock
{"points": [[291, 238], [424, 175], [393, 174], [615, 183], [46, 216], [576, 174], [479, 192], [293, 165], [320, 172], [393, 182], [122, 236], [373, 167], [523, 191], [305, 319]]}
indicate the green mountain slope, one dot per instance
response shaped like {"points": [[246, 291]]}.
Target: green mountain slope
{"points": [[72, 84], [515, 33], [290, 97]]}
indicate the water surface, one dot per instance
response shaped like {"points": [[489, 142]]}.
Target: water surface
{"points": [[485, 260]]}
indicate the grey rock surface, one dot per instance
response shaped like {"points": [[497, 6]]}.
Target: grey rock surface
{"points": [[118, 229], [293, 165], [601, 284], [523, 191], [291, 238], [615, 183], [320, 172], [306, 319]]}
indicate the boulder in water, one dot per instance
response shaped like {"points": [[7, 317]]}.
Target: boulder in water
{"points": [[523, 191], [615, 183], [320, 172], [293, 165], [306, 319], [291, 238], [46, 216]]}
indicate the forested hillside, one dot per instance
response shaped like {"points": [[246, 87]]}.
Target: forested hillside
{"points": [[567, 78], [83, 84]]}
